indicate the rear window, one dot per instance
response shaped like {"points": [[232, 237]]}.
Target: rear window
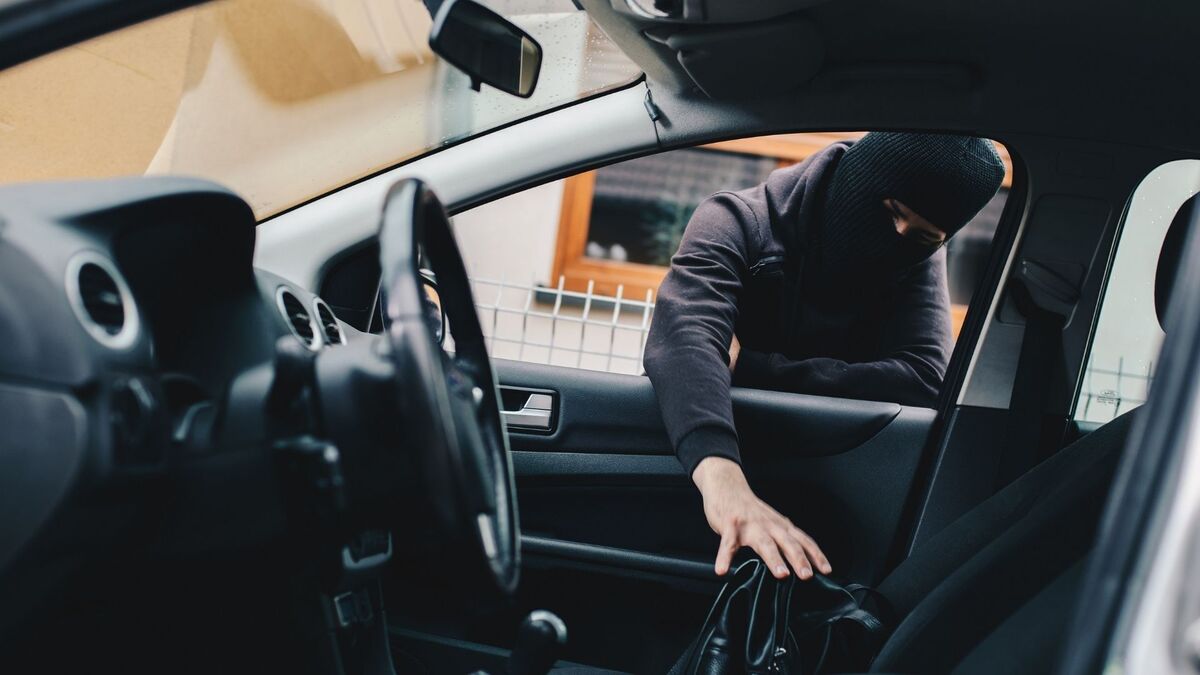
{"points": [[1120, 367]]}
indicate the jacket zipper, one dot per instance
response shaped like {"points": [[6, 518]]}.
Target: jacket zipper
{"points": [[770, 261]]}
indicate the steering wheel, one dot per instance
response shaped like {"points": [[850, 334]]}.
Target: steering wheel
{"points": [[451, 402]]}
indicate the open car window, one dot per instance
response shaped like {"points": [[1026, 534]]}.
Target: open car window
{"points": [[567, 273], [280, 100]]}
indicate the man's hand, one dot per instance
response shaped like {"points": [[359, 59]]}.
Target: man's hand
{"points": [[742, 519], [735, 348]]}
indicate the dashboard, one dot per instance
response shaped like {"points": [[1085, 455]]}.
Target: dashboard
{"points": [[135, 335]]}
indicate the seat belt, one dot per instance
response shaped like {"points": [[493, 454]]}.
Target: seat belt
{"points": [[1045, 299]]}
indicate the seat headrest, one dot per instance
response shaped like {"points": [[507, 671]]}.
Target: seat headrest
{"points": [[1168, 259]]}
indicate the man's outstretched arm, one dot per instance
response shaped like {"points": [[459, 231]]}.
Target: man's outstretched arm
{"points": [[915, 349], [686, 353], [686, 358]]}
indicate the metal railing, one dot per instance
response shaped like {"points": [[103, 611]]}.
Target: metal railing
{"points": [[528, 322], [543, 324], [1100, 403]]}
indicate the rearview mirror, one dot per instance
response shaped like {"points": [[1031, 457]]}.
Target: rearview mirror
{"points": [[486, 46]]}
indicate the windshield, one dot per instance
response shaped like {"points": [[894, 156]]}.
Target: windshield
{"points": [[280, 100]]}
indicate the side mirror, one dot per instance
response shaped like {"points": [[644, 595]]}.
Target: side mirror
{"points": [[486, 46]]}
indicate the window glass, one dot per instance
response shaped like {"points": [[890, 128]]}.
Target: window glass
{"points": [[281, 100], [566, 273], [1120, 367], [640, 207]]}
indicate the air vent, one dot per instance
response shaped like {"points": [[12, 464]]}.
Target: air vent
{"points": [[297, 318], [330, 329], [101, 300]]}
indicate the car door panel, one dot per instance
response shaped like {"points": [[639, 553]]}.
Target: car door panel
{"points": [[607, 477], [614, 534], [614, 537]]}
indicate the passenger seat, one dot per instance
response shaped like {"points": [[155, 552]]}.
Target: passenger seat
{"points": [[1018, 554]]}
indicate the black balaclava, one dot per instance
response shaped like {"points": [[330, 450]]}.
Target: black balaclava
{"points": [[945, 179]]}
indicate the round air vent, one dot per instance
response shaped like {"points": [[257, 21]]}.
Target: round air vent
{"points": [[330, 330], [297, 318], [102, 300]]}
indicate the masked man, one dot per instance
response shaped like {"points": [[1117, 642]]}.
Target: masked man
{"points": [[829, 279]]}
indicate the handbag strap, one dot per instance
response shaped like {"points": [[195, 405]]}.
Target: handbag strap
{"points": [[850, 610], [883, 607]]}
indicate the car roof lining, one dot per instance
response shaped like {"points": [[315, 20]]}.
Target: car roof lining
{"points": [[1031, 67], [1014, 66]]}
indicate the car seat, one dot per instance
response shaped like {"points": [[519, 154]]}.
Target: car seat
{"points": [[993, 590]]}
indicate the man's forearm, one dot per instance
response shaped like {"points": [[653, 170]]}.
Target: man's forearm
{"points": [[715, 473], [892, 379]]}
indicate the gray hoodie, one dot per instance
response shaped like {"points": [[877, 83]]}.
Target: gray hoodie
{"points": [[885, 339]]}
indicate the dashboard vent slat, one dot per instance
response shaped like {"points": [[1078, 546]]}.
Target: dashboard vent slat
{"points": [[330, 329], [297, 318], [102, 300]]}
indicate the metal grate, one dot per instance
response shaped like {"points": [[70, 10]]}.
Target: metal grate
{"points": [[1118, 391], [560, 327], [528, 322]]}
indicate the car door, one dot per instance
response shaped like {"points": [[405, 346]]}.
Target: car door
{"points": [[614, 536]]}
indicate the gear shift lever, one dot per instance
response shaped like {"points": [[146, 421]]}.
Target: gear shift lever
{"points": [[540, 641]]}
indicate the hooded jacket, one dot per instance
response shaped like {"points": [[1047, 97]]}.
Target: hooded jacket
{"points": [[752, 262]]}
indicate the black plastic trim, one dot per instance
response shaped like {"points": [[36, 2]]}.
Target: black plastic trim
{"points": [[1004, 240], [599, 412], [609, 556]]}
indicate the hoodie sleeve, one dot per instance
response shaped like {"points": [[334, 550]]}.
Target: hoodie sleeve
{"points": [[687, 349], [914, 351]]}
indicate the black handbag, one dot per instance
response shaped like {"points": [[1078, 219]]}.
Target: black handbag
{"points": [[760, 625]]}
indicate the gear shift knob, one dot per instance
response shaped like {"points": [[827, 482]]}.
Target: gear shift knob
{"points": [[540, 641]]}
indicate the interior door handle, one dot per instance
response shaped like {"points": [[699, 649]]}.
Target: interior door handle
{"points": [[536, 413]]}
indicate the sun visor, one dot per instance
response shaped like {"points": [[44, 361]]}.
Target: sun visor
{"points": [[745, 60]]}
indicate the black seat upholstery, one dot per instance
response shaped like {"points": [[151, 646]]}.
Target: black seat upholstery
{"points": [[1017, 553], [1029, 641], [987, 564]]}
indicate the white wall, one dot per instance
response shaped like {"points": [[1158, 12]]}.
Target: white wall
{"points": [[512, 239]]}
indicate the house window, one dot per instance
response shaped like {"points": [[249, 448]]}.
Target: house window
{"points": [[620, 225]]}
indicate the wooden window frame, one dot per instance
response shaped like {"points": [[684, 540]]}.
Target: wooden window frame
{"points": [[576, 270]]}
